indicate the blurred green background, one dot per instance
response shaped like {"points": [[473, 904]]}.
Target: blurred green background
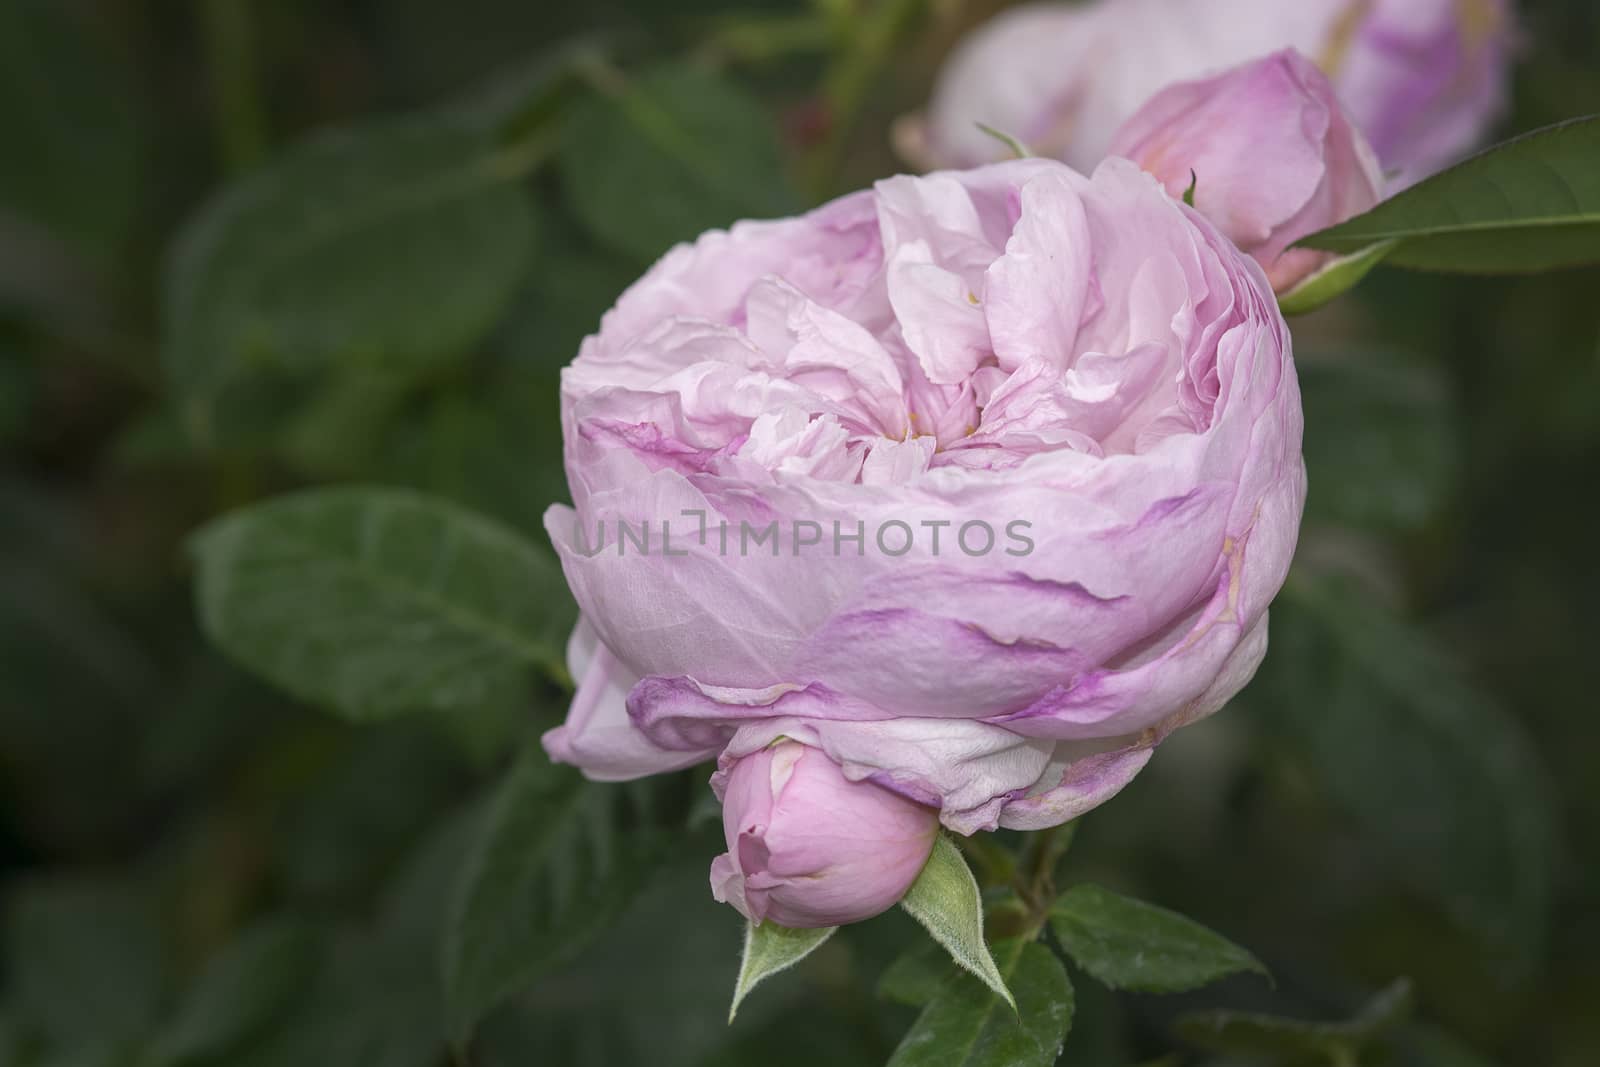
{"points": [[196, 867]]}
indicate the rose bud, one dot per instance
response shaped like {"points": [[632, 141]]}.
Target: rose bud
{"points": [[1422, 79], [808, 847], [976, 485], [1271, 155]]}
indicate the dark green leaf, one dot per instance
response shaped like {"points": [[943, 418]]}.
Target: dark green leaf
{"points": [[553, 866], [366, 1006], [1380, 444], [480, 448], [1135, 946], [248, 984], [658, 159], [1530, 204], [87, 961], [391, 247], [1420, 1045], [76, 680], [652, 989], [917, 975], [374, 602], [346, 827], [1239, 1032], [530, 93], [1437, 774], [68, 122], [430, 48], [337, 432], [566, 290], [966, 1025], [415, 905], [16, 393], [93, 1053], [375, 998]]}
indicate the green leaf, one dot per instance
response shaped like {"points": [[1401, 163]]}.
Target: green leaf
{"points": [[1380, 442], [478, 447], [770, 948], [1138, 947], [1251, 1034], [663, 157], [346, 825], [67, 119], [551, 869], [391, 246], [564, 293], [1333, 280], [1440, 779], [1420, 1045], [1530, 204], [16, 393], [374, 602], [365, 1005], [968, 1026], [946, 901], [916, 976], [652, 989], [86, 961], [337, 432], [375, 999], [530, 92], [243, 989], [11, 1043]]}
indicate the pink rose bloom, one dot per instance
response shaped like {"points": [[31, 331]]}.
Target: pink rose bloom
{"points": [[978, 484], [808, 847], [1422, 79], [1272, 157]]}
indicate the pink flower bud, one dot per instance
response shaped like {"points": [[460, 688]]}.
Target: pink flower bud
{"points": [[1272, 155], [1422, 79], [807, 847]]}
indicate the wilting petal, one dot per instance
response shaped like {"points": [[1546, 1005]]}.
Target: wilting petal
{"points": [[598, 735]]}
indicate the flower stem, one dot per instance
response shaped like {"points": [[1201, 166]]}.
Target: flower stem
{"points": [[229, 35], [867, 44]]}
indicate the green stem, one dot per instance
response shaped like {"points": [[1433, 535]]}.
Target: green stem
{"points": [[996, 866], [229, 34], [1044, 854], [1343, 1056], [522, 157], [1036, 883], [869, 42], [756, 39]]}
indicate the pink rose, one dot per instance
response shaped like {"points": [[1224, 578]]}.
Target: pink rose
{"points": [[808, 847], [1272, 157], [977, 484], [1422, 79]]}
